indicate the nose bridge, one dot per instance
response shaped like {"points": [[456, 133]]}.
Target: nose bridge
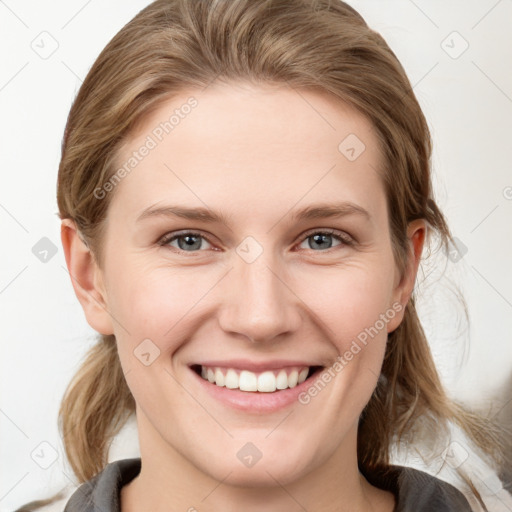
{"points": [[260, 304]]}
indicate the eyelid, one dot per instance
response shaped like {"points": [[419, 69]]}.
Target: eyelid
{"points": [[342, 236], [173, 235]]}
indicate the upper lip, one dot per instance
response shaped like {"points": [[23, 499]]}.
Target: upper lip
{"points": [[245, 364]]}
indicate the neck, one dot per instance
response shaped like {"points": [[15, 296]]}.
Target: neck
{"points": [[168, 480]]}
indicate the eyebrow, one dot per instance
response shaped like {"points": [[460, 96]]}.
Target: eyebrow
{"points": [[319, 211]]}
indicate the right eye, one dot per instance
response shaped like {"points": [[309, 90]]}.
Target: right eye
{"points": [[187, 241]]}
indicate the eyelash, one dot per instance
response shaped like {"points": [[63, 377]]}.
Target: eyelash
{"points": [[344, 238]]}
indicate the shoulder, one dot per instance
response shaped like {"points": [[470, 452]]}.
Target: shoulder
{"points": [[102, 491], [423, 492], [419, 491]]}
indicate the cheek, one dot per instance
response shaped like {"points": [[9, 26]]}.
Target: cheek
{"points": [[351, 300], [355, 309], [150, 302], [153, 306]]}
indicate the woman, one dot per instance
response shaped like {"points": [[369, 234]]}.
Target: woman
{"points": [[245, 196]]}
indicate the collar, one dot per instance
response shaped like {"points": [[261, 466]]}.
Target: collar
{"points": [[414, 490]]}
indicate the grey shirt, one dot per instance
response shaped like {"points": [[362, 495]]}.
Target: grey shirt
{"points": [[414, 490]]}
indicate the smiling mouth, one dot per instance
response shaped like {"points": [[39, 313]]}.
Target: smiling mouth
{"points": [[264, 382]]}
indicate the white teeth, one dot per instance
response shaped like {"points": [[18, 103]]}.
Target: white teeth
{"points": [[219, 377], [293, 378], [247, 381], [266, 382], [282, 380], [231, 380]]}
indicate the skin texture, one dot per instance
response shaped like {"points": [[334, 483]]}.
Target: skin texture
{"points": [[257, 154]]}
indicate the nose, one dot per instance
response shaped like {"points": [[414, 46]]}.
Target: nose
{"points": [[257, 302]]}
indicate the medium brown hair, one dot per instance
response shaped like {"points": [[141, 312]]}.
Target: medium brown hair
{"points": [[321, 45]]}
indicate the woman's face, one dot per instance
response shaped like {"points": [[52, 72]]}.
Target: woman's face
{"points": [[253, 283]]}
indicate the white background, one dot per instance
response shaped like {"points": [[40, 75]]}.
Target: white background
{"points": [[467, 101]]}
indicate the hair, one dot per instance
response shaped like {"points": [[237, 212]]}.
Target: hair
{"points": [[317, 45]]}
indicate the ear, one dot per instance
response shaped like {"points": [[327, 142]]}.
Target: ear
{"points": [[416, 233], [86, 278]]}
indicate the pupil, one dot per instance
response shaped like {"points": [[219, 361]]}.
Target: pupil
{"points": [[319, 238], [190, 241]]}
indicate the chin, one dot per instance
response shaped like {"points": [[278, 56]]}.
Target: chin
{"points": [[250, 466], [261, 475]]}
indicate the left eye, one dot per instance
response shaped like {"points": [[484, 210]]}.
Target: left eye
{"points": [[189, 241], [323, 239]]}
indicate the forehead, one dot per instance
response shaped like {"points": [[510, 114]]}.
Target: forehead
{"points": [[250, 145]]}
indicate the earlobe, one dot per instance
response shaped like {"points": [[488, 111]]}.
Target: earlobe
{"points": [[86, 278], [416, 233]]}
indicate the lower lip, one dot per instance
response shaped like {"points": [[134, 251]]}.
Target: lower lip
{"points": [[256, 401]]}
